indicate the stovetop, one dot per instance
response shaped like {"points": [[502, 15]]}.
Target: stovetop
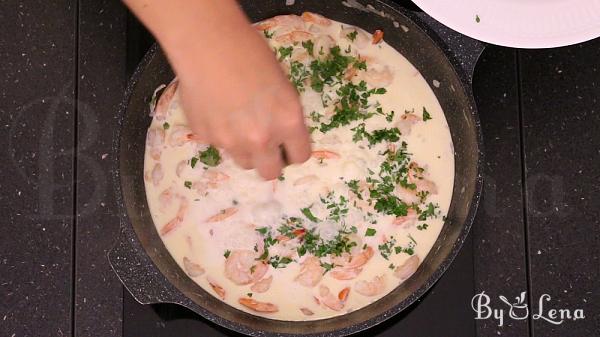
{"points": [[65, 68]]}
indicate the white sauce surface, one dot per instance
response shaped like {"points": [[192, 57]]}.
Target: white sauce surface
{"points": [[262, 204]]}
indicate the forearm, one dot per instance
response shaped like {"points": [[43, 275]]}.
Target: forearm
{"points": [[203, 28]]}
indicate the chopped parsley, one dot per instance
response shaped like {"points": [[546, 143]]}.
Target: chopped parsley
{"points": [[352, 36], [426, 115], [422, 227], [477, 18], [187, 184], [370, 232], [249, 294], [194, 161], [391, 135], [166, 126], [327, 266], [429, 212], [309, 46], [385, 249], [227, 253], [285, 52], [337, 209], [268, 34], [279, 262], [308, 214], [209, 157]]}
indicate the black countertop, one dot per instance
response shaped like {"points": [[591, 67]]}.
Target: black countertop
{"points": [[64, 68]]}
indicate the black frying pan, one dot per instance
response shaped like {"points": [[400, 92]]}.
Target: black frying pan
{"points": [[148, 271]]}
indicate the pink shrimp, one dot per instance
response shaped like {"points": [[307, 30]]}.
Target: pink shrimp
{"points": [[242, 268], [408, 268], [407, 120], [165, 198], [315, 18], [325, 154], [281, 21], [155, 139], [162, 106], [262, 285], [294, 37], [371, 288], [416, 175], [258, 306], [191, 268], [180, 135], [222, 215], [307, 311], [211, 179], [408, 220], [359, 38], [216, 288], [349, 270], [379, 78], [155, 175], [308, 179], [311, 273], [377, 36], [330, 300], [178, 219], [180, 167]]}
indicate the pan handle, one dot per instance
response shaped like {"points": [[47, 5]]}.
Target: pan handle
{"points": [[465, 49], [137, 273]]}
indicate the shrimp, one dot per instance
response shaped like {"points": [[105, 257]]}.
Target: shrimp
{"points": [[322, 46], [330, 300], [406, 122], [416, 176], [222, 215], [258, 306], [370, 288], [180, 136], [191, 268], [164, 102], [377, 36], [178, 219], [293, 37], [350, 269], [297, 233], [379, 77], [211, 179], [155, 175], [155, 139], [360, 200], [180, 167], [408, 268], [311, 273], [325, 154], [165, 198], [307, 311], [217, 288], [242, 268], [308, 179], [262, 285], [360, 40], [292, 22], [408, 220], [317, 19]]}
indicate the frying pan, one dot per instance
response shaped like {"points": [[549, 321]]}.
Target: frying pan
{"points": [[445, 59]]}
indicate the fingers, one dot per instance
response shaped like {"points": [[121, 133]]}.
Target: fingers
{"points": [[268, 163]]}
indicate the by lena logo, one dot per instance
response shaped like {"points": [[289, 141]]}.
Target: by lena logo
{"points": [[519, 310]]}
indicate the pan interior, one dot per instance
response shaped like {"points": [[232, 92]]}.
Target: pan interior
{"points": [[453, 95]]}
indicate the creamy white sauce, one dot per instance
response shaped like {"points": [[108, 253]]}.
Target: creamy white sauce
{"points": [[262, 204]]}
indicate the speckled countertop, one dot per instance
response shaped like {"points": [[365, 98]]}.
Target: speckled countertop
{"points": [[64, 66]]}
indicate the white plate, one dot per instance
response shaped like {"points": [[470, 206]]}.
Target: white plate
{"points": [[519, 23]]}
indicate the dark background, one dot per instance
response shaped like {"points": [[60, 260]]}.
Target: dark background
{"points": [[64, 66]]}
